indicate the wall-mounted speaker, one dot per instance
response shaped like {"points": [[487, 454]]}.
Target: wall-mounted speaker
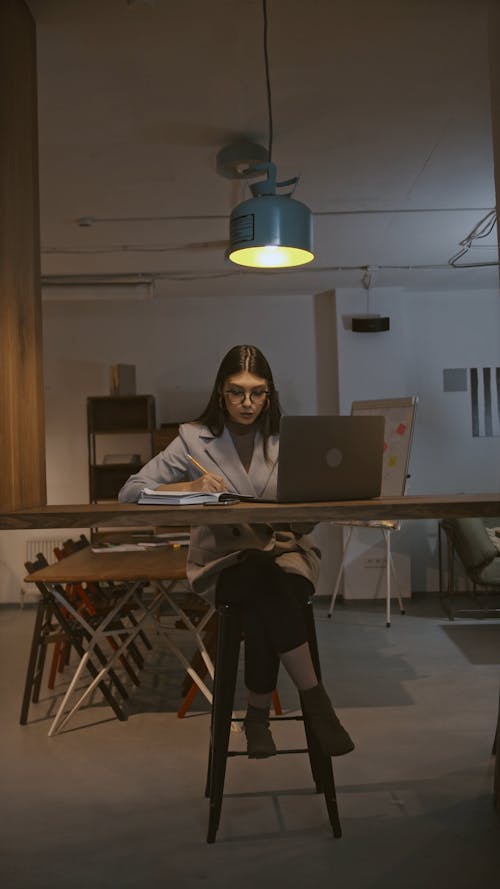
{"points": [[370, 323]]}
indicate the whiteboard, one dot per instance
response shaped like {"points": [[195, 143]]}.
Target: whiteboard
{"points": [[399, 415]]}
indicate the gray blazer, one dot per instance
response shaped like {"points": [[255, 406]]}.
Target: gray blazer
{"points": [[215, 547]]}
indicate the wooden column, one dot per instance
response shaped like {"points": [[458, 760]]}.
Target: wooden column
{"points": [[494, 61], [22, 439]]}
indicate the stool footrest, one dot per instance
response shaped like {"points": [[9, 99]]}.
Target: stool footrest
{"points": [[298, 718], [278, 752]]}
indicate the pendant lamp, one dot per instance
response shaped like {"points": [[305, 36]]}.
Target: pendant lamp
{"points": [[271, 230]]}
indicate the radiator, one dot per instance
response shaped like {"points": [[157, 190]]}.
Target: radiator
{"points": [[43, 545]]}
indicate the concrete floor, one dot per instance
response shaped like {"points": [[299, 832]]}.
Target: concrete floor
{"points": [[121, 804]]}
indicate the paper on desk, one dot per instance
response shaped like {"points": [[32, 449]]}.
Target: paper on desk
{"points": [[118, 548], [134, 547], [175, 542]]}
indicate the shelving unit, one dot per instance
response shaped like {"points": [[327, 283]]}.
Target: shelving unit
{"points": [[121, 415], [164, 435]]}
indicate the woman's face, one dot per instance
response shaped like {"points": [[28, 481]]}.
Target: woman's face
{"points": [[245, 397]]}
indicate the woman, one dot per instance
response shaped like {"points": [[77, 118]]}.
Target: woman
{"points": [[269, 571]]}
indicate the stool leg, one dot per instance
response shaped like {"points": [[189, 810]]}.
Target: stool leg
{"points": [[312, 745], [226, 668], [330, 796], [311, 637], [322, 771], [321, 764]]}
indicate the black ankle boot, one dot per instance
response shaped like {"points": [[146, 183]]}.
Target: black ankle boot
{"points": [[259, 739], [324, 722]]}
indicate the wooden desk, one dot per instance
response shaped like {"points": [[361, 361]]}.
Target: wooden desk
{"points": [[155, 563], [161, 567], [112, 514]]}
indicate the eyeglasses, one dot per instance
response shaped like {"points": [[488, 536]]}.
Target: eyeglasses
{"points": [[237, 396]]}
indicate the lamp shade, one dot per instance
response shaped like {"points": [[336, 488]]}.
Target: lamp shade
{"points": [[270, 231]]}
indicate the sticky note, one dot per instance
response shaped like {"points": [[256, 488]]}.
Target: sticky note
{"points": [[401, 429], [392, 461]]}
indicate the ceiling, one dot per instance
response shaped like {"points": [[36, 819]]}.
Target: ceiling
{"points": [[382, 109]]}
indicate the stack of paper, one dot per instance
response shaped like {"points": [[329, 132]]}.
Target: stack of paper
{"points": [[136, 547], [124, 547]]}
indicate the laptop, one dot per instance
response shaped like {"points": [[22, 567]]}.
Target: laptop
{"points": [[330, 458]]}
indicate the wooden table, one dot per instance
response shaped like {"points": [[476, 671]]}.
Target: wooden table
{"points": [[161, 567], [113, 514], [153, 563]]}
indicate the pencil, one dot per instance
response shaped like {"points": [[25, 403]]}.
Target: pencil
{"points": [[198, 465]]}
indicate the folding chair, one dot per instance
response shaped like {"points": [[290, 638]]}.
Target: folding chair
{"points": [[468, 540], [53, 624]]}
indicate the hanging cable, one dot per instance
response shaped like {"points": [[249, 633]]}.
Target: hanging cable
{"points": [[366, 282], [481, 230], [268, 83]]}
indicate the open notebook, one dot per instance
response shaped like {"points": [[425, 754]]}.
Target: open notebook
{"points": [[321, 458], [188, 497]]}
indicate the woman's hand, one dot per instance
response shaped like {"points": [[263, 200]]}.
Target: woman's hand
{"points": [[208, 482]]}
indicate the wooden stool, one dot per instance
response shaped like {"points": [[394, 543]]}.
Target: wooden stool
{"points": [[229, 634]]}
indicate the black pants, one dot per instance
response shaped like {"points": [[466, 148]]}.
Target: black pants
{"points": [[272, 603]]}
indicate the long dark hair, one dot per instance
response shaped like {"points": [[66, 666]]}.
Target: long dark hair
{"points": [[238, 359]]}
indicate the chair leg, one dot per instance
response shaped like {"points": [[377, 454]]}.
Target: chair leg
{"points": [[37, 684], [36, 642], [450, 559], [115, 680], [226, 668], [199, 665], [188, 700], [46, 631], [58, 659], [76, 641], [395, 582], [390, 572], [140, 635], [277, 703], [107, 694], [340, 572], [123, 660], [387, 577]]}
